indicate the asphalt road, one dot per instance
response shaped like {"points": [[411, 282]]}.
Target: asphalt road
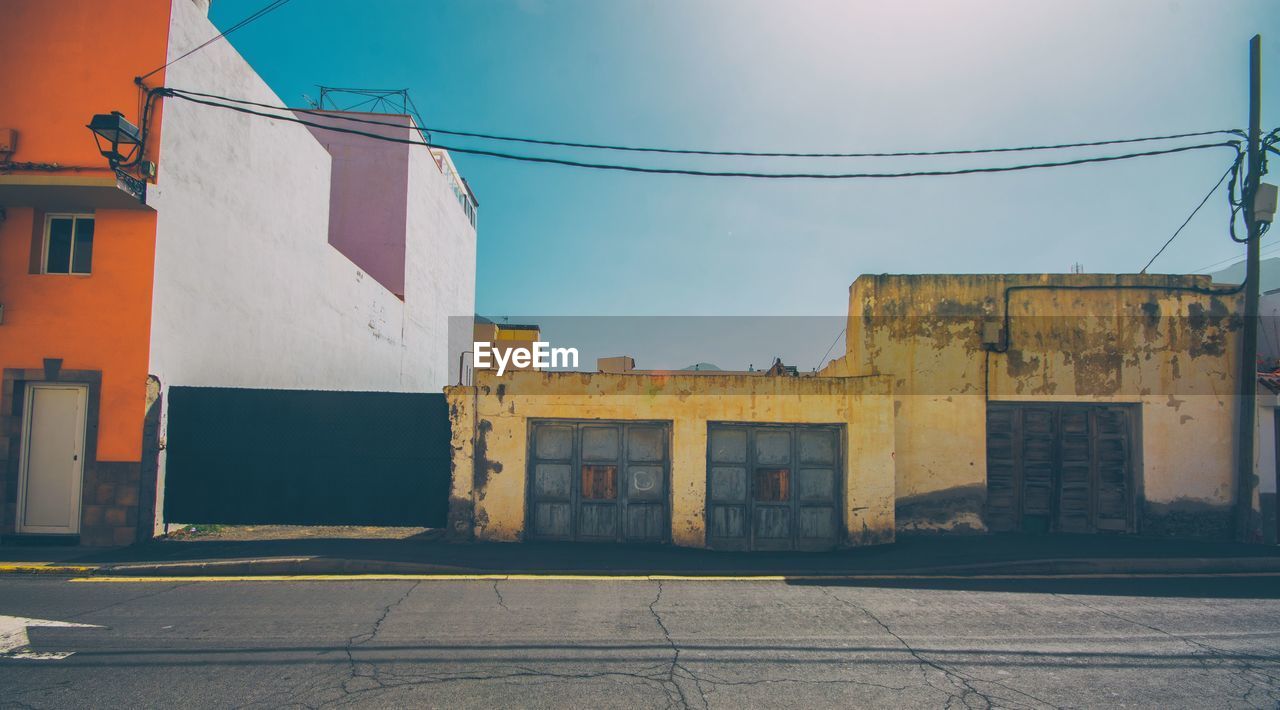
{"points": [[538, 643]]}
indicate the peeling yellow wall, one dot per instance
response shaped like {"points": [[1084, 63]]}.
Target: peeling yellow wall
{"points": [[490, 423], [1173, 352]]}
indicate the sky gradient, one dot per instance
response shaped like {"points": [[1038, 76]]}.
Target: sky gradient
{"points": [[796, 77]]}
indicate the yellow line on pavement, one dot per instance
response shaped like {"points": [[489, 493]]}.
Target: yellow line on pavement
{"points": [[654, 577], [44, 568]]}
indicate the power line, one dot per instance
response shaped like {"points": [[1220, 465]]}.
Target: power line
{"points": [[1187, 221], [1228, 260], [734, 153], [1232, 260], [823, 360], [702, 173], [898, 154], [273, 5]]}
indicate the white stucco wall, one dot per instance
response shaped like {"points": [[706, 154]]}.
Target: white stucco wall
{"points": [[1265, 461], [247, 290], [1269, 325], [440, 272]]}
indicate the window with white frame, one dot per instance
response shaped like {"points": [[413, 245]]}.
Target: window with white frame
{"points": [[68, 244]]}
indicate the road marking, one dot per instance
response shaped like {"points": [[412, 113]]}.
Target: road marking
{"points": [[45, 568], [653, 577], [14, 642]]}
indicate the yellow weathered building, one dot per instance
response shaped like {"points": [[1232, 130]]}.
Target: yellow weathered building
{"points": [[1158, 351], [493, 453], [970, 403]]}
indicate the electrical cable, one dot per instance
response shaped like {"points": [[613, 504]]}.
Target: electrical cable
{"points": [[1240, 204], [833, 345], [1232, 260], [186, 96], [734, 153], [1187, 221], [273, 5]]}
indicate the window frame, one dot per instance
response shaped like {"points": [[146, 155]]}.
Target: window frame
{"points": [[47, 233]]}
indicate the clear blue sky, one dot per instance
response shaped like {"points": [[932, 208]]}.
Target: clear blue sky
{"points": [[802, 76]]}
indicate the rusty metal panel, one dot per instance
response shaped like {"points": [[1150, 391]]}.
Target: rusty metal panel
{"points": [[774, 486], [599, 481]]}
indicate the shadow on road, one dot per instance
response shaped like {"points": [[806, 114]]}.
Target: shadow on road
{"points": [[1257, 587]]}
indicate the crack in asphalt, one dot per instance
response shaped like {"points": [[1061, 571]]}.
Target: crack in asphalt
{"points": [[501, 602], [675, 657], [136, 597], [963, 682], [387, 680], [377, 673], [361, 639], [1236, 661]]}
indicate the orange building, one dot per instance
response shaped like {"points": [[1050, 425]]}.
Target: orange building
{"points": [[76, 254], [206, 256]]}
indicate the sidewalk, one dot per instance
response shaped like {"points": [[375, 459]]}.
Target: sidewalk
{"points": [[426, 554]]}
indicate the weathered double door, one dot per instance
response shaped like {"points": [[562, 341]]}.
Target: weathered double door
{"points": [[1060, 467], [774, 486], [599, 481]]}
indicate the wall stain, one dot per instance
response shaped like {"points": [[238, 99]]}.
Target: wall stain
{"points": [[943, 511], [483, 466]]}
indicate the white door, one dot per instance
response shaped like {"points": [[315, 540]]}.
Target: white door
{"points": [[52, 459]]}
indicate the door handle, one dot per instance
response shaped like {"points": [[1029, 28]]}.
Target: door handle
{"points": [[75, 457]]}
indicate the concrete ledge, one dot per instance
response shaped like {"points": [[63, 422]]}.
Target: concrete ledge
{"points": [[321, 567]]}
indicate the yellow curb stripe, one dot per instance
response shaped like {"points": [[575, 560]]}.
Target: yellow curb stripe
{"points": [[655, 577], [44, 568]]}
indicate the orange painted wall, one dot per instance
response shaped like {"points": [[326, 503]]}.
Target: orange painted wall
{"points": [[101, 321], [64, 61]]}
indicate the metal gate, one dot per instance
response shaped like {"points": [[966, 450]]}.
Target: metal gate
{"points": [[599, 481], [1060, 467], [300, 457], [774, 487]]}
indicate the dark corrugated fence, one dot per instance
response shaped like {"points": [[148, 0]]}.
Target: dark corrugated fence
{"points": [[303, 457]]}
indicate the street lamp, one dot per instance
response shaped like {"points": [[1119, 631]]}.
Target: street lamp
{"points": [[117, 139]]}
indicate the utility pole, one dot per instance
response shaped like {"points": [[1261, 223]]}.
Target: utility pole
{"points": [[1249, 345]]}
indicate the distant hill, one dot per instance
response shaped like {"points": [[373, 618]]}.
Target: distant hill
{"points": [[701, 366], [1234, 274]]}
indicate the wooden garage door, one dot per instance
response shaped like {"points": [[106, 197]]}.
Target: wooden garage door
{"points": [[773, 487], [1060, 467], [599, 481]]}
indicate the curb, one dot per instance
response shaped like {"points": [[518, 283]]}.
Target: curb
{"points": [[46, 568], [319, 567]]}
